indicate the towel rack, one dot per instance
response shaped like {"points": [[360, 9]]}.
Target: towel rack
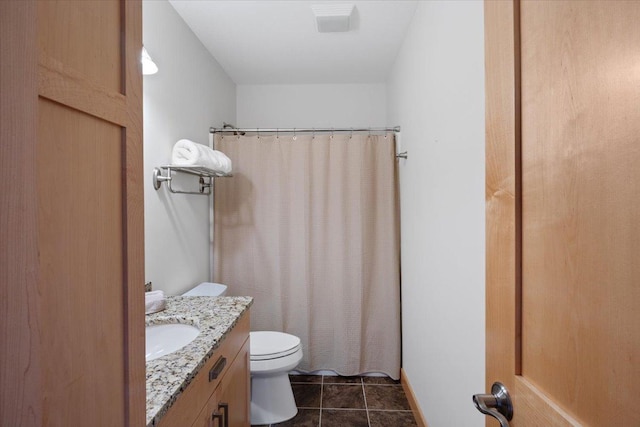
{"points": [[206, 177]]}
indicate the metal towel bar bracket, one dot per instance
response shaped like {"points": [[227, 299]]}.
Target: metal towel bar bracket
{"points": [[205, 175]]}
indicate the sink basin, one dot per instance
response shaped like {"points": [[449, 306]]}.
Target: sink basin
{"points": [[167, 338]]}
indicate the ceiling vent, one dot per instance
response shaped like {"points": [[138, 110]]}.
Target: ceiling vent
{"points": [[333, 18]]}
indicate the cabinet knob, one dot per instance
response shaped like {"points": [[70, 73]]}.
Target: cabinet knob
{"points": [[225, 411], [217, 368], [217, 416]]}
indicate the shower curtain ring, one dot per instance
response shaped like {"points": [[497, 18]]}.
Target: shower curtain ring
{"points": [[294, 134], [351, 134], [258, 129], [277, 133], [331, 133], [313, 133]]}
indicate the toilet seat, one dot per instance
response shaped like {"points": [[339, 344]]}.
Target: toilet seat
{"points": [[269, 345]]}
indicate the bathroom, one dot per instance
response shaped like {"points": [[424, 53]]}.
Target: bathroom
{"points": [[191, 92], [519, 204]]}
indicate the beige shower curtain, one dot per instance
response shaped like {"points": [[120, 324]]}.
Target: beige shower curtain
{"points": [[308, 226]]}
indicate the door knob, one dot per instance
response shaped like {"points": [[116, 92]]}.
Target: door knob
{"points": [[497, 404]]}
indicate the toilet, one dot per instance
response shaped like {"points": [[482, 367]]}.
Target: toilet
{"points": [[272, 356]]}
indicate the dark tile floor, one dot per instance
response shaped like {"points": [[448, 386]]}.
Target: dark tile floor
{"points": [[326, 401]]}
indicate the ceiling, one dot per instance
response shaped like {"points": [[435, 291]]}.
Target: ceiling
{"points": [[276, 42]]}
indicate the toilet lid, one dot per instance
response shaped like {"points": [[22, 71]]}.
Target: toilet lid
{"points": [[270, 345]]}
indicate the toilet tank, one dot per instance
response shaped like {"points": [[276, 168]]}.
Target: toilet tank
{"points": [[207, 289]]}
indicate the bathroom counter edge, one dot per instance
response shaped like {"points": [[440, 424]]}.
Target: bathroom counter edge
{"points": [[168, 376]]}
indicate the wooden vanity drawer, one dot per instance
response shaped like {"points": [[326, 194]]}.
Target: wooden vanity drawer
{"points": [[190, 403], [230, 401]]}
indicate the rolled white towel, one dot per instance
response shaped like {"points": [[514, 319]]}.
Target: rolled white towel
{"points": [[189, 153], [154, 301]]}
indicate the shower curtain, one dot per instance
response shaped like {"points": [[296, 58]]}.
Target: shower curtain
{"points": [[309, 226]]}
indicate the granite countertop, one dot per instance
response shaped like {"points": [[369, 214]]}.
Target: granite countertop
{"points": [[169, 375]]}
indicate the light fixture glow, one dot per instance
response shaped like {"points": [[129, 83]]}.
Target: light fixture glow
{"points": [[333, 18], [148, 66]]}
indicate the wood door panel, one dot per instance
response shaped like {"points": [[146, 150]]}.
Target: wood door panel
{"points": [[19, 347], [81, 262], [562, 315], [70, 87], [72, 256], [536, 409], [580, 151], [85, 36]]}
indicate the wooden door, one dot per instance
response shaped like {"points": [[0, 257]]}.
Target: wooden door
{"points": [[563, 210], [72, 220]]}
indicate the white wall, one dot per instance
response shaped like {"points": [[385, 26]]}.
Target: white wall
{"points": [[319, 105], [436, 93], [190, 93]]}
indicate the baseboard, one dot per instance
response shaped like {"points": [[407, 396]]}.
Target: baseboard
{"points": [[413, 402]]}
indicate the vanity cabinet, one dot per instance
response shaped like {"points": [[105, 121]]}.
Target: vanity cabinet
{"points": [[229, 404], [219, 395]]}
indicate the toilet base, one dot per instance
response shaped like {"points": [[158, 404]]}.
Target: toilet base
{"points": [[272, 399]]}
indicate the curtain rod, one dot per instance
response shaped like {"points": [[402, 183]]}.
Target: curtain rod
{"points": [[230, 128], [302, 130]]}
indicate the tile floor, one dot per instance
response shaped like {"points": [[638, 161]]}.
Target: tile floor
{"points": [[326, 401]]}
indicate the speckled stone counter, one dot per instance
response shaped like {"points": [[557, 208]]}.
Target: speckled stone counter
{"points": [[169, 375]]}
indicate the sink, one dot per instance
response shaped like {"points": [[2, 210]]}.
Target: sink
{"points": [[164, 339]]}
